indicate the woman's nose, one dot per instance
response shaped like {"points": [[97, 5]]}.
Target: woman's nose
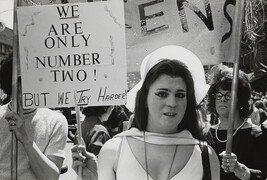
{"points": [[171, 101]]}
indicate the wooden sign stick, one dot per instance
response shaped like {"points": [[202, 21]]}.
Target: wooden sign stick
{"points": [[237, 32], [79, 130]]}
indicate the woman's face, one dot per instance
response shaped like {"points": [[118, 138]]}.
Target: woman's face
{"points": [[223, 102], [166, 102]]}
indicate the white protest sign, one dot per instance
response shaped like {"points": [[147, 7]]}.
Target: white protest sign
{"points": [[73, 47], [203, 26]]}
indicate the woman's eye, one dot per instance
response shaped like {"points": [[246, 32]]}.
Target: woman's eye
{"points": [[161, 94], [180, 95]]}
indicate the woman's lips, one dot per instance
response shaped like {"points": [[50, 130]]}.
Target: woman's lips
{"points": [[170, 114]]}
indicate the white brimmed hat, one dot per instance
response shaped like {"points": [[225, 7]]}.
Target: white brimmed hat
{"points": [[176, 53]]}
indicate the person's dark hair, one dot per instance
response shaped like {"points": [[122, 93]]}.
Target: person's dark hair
{"points": [[6, 75], [259, 104], [116, 117], [171, 68], [115, 120], [94, 110], [223, 79]]}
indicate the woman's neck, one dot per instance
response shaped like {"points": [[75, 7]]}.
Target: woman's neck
{"points": [[161, 130], [224, 122]]}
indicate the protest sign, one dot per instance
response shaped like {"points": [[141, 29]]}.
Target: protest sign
{"points": [[72, 47], [202, 26]]}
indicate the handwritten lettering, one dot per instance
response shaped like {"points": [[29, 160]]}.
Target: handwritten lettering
{"points": [[181, 4], [66, 41], [68, 11], [207, 20], [69, 75], [228, 17], [63, 98], [84, 98], [103, 96], [35, 99], [66, 34], [68, 60], [144, 18]]}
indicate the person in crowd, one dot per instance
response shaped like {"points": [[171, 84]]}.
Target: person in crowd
{"points": [[203, 117], [114, 124], [4, 98], [94, 133], [259, 104], [41, 135], [255, 115], [247, 161], [163, 141], [264, 100], [255, 96]]}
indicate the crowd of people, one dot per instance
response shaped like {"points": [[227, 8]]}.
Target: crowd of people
{"points": [[174, 126]]}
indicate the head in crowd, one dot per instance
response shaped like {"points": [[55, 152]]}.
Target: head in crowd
{"points": [[95, 110], [114, 124], [222, 78], [117, 116], [179, 62], [6, 75], [260, 104]]}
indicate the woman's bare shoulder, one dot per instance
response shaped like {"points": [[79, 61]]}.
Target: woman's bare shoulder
{"points": [[108, 157], [112, 145]]}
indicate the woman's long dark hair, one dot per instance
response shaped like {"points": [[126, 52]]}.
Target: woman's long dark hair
{"points": [[173, 68]]}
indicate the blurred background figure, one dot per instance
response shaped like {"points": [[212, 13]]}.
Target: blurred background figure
{"points": [[4, 98], [117, 120], [94, 132], [259, 104]]}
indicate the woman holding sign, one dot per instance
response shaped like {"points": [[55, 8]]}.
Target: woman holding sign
{"points": [[164, 140], [248, 158]]}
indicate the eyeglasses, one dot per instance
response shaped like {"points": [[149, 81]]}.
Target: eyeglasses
{"points": [[227, 96]]}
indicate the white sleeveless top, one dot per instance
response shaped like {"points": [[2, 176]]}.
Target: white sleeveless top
{"points": [[128, 166]]}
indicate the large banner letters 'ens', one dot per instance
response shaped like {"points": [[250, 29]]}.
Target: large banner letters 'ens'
{"points": [[203, 26]]}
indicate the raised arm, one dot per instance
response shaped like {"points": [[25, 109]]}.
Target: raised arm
{"points": [[97, 169], [44, 166]]}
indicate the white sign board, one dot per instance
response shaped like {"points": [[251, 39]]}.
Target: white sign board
{"points": [[66, 48], [203, 26]]}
